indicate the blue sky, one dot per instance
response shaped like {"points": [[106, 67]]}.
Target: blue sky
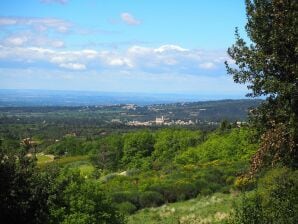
{"points": [[167, 46]]}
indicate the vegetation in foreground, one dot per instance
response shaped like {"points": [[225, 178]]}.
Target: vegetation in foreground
{"points": [[123, 173], [142, 169], [213, 208]]}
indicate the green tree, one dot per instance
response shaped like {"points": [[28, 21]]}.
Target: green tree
{"points": [[68, 146], [170, 142], [28, 195], [23, 190], [273, 202], [269, 66], [137, 148], [109, 153], [76, 200]]}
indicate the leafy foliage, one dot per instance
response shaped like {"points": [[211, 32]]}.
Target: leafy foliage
{"points": [[54, 196], [108, 153], [67, 146], [275, 200], [203, 209], [229, 146], [75, 200], [137, 146], [23, 191], [171, 142], [269, 67]]}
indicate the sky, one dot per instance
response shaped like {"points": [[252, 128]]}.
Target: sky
{"points": [[148, 46]]}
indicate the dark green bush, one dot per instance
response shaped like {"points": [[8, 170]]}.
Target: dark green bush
{"points": [[250, 211], [150, 199], [185, 190], [126, 196], [167, 190], [274, 202], [126, 208]]}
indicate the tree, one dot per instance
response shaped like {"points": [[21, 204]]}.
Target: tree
{"points": [[109, 153], [76, 200], [273, 202], [269, 66], [137, 147], [28, 195], [23, 190], [169, 142]]}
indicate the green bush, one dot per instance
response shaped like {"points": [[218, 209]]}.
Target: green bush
{"points": [[167, 190], [171, 141], [229, 146], [274, 202], [76, 200], [136, 147], [185, 190], [126, 196], [250, 211], [126, 208], [150, 199]]}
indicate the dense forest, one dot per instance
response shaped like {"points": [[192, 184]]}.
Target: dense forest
{"points": [[69, 165]]}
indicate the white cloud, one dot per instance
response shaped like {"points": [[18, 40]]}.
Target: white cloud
{"points": [[129, 19], [57, 43], [170, 61], [7, 21], [73, 66], [58, 59], [104, 80], [40, 24], [164, 59], [30, 39], [38, 50], [17, 41], [169, 47], [119, 62], [207, 65], [116, 61], [90, 54], [139, 50]]}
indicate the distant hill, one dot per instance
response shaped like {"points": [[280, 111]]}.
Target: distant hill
{"points": [[209, 110], [20, 98]]}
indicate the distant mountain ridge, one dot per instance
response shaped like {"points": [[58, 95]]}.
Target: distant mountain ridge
{"points": [[21, 98]]}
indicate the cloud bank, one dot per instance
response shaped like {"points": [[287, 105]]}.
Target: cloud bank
{"points": [[162, 59]]}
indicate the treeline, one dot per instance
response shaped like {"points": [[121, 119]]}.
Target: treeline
{"points": [[133, 170], [142, 149], [55, 195], [149, 168]]}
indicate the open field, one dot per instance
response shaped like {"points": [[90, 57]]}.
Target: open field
{"points": [[204, 209]]}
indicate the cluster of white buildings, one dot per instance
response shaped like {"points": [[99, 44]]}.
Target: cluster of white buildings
{"points": [[130, 107], [160, 121]]}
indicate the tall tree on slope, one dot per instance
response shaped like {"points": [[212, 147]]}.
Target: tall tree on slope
{"points": [[269, 67]]}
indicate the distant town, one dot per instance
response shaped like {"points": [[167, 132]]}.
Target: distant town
{"points": [[161, 121]]}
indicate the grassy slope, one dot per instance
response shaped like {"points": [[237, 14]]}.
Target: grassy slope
{"points": [[204, 209], [43, 158], [80, 162]]}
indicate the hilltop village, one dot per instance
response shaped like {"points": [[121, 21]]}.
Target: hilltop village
{"points": [[161, 121]]}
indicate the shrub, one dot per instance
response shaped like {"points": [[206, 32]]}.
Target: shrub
{"points": [[126, 196], [126, 208], [150, 199], [250, 211], [230, 146], [274, 202], [167, 190], [76, 200], [185, 190], [244, 183]]}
